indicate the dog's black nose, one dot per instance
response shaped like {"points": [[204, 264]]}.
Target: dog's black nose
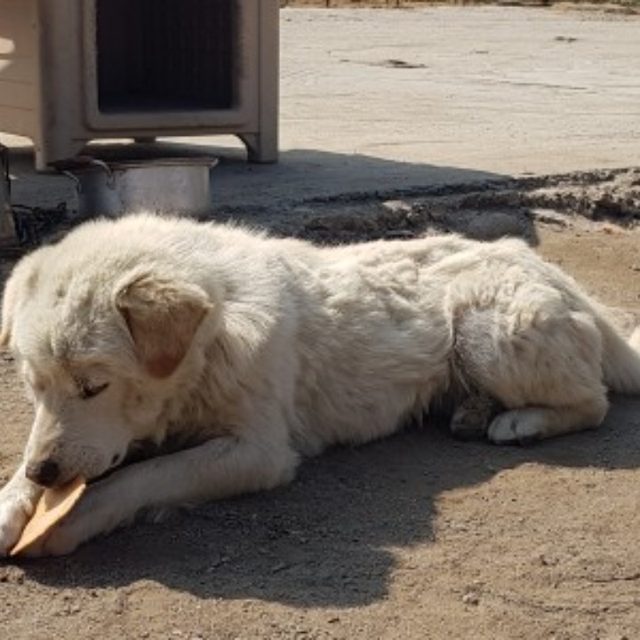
{"points": [[44, 473]]}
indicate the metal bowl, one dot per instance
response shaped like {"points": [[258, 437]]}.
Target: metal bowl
{"points": [[179, 186]]}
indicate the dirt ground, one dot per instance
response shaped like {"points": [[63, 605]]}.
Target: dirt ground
{"points": [[418, 536], [415, 537]]}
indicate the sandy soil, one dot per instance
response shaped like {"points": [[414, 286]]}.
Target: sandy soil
{"points": [[418, 536]]}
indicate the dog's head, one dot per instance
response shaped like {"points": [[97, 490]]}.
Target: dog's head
{"points": [[100, 350]]}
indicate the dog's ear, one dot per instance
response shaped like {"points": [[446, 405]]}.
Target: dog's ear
{"points": [[19, 287], [162, 317]]}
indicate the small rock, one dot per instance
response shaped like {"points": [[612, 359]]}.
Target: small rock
{"points": [[120, 603], [414, 218], [609, 229], [547, 561], [492, 226], [281, 566], [397, 205], [216, 562], [471, 598]]}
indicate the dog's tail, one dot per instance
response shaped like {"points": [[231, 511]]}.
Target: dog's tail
{"points": [[621, 364]]}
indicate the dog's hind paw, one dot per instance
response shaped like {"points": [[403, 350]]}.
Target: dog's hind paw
{"points": [[520, 426]]}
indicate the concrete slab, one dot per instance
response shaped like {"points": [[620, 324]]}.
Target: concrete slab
{"points": [[385, 100]]}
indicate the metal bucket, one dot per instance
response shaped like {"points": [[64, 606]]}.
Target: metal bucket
{"points": [[7, 228], [179, 186]]}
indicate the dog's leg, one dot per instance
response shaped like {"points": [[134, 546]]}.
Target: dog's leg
{"points": [[544, 367], [219, 468], [17, 502], [522, 426]]}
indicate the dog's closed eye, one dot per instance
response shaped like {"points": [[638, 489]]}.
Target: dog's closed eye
{"points": [[88, 391]]}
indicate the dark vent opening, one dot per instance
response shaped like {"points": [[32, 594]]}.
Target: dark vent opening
{"points": [[166, 55]]}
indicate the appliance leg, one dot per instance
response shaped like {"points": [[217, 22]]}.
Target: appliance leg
{"points": [[262, 148]]}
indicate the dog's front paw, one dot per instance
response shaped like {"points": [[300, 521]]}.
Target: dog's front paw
{"points": [[521, 426], [15, 511], [96, 513]]}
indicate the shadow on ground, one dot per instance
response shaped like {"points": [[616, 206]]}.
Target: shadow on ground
{"points": [[325, 197], [326, 539], [300, 175]]}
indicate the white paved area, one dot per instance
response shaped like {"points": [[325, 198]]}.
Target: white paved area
{"points": [[377, 100]]}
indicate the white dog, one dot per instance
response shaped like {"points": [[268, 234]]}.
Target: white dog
{"points": [[254, 351]]}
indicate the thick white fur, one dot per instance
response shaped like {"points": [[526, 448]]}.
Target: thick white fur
{"points": [[265, 350]]}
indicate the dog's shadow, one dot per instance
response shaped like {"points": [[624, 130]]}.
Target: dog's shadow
{"points": [[325, 539]]}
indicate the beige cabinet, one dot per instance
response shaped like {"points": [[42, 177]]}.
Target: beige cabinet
{"points": [[76, 70]]}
